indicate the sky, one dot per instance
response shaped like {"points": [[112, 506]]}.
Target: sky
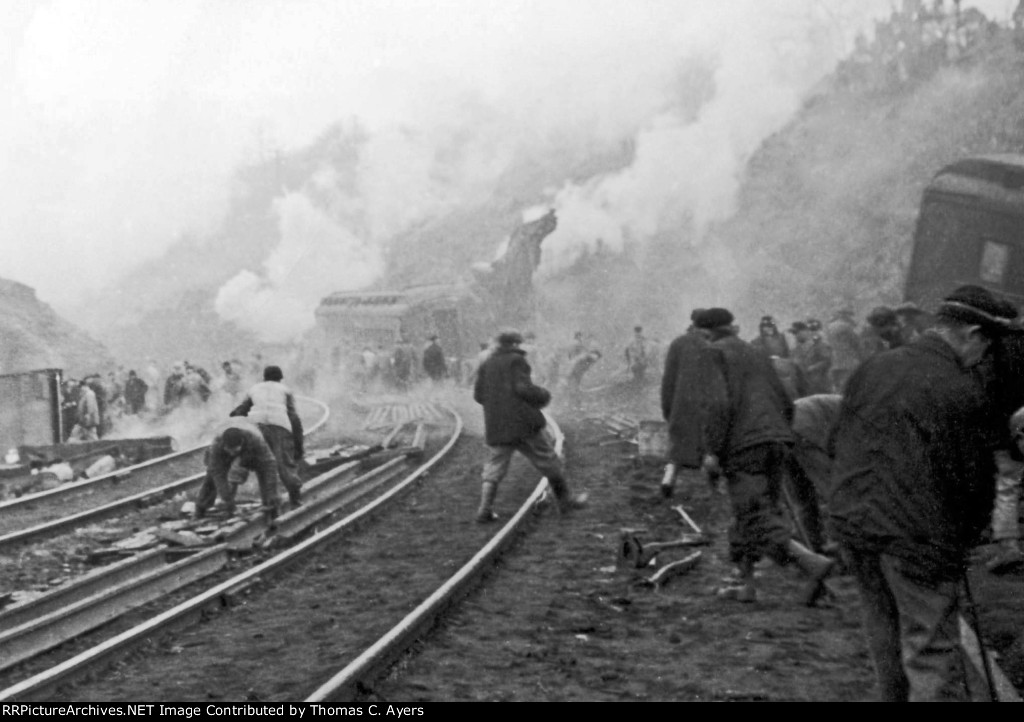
{"points": [[121, 120]]}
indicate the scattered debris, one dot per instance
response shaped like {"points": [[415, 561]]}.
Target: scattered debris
{"points": [[673, 570]]}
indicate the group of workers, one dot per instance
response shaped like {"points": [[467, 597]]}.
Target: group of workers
{"points": [[904, 461]]}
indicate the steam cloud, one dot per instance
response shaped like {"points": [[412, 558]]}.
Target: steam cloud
{"points": [[316, 256]]}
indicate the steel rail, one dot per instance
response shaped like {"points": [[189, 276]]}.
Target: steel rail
{"points": [[105, 511], [220, 595], [373, 662], [29, 629]]}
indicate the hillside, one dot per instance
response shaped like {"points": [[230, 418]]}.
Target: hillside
{"points": [[828, 205], [35, 337]]}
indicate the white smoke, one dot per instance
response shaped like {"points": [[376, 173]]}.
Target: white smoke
{"points": [[315, 257], [686, 172]]}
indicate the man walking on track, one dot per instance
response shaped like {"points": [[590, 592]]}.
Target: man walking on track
{"points": [[514, 422]]}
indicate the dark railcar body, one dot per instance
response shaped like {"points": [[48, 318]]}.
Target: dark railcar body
{"points": [[346, 322], [30, 409], [970, 230]]}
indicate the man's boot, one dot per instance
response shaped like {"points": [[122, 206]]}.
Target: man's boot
{"points": [[816, 566], [745, 590], [485, 514], [566, 502]]}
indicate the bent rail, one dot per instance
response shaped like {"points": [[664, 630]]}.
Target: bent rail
{"points": [[373, 662]]}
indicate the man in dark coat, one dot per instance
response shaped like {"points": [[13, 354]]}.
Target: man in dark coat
{"points": [[237, 449], [135, 393], [689, 383], [913, 487], [513, 422], [748, 438], [433, 361]]}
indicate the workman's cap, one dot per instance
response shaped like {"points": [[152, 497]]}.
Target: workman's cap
{"points": [[638, 329], [232, 437], [767, 321], [882, 316], [695, 313], [509, 337], [908, 309], [713, 318], [797, 327], [975, 305], [273, 373], [813, 324]]}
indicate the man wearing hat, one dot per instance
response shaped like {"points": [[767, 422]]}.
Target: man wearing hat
{"points": [[637, 356], [813, 357], [513, 422], [881, 333], [747, 432], [769, 340], [913, 487], [689, 384], [434, 363]]}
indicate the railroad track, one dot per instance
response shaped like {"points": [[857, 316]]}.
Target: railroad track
{"points": [[29, 629], [46, 514], [325, 606]]}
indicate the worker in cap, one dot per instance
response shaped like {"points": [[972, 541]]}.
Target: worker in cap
{"points": [[770, 341], [513, 422], [747, 432], [912, 490]]}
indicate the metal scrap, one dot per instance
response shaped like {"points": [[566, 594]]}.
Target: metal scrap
{"points": [[673, 570]]}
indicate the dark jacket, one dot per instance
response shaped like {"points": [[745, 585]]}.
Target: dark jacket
{"points": [[255, 455], [913, 446], [690, 385], [434, 363], [756, 410], [775, 345], [511, 401]]}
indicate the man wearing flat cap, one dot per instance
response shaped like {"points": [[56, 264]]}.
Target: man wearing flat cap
{"points": [[513, 422], [770, 341], [913, 487], [747, 435], [687, 389]]}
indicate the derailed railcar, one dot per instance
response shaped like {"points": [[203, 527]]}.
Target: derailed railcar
{"points": [[349, 321], [970, 230], [30, 409]]}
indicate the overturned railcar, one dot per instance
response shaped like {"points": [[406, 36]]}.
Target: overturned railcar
{"points": [[347, 322], [30, 409], [970, 230]]}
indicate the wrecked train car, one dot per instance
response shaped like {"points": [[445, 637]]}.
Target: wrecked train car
{"points": [[347, 322], [30, 408], [970, 230]]}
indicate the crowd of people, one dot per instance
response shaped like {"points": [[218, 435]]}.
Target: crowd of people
{"points": [[885, 453], [93, 405], [895, 448]]}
